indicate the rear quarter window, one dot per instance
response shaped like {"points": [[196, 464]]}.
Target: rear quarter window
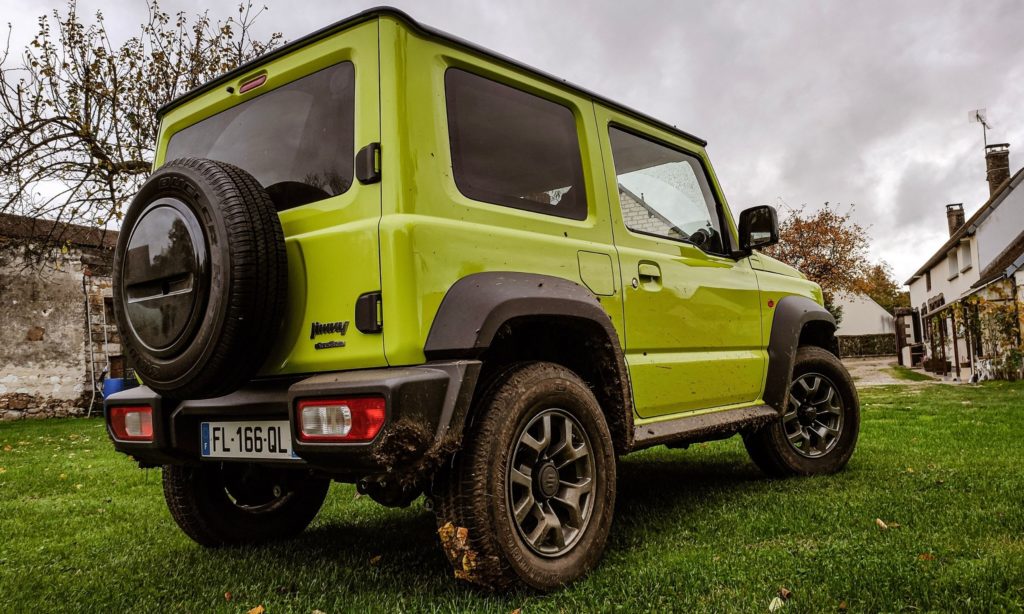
{"points": [[297, 140], [512, 148]]}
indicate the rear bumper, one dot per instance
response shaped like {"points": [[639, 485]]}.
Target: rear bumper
{"points": [[426, 406]]}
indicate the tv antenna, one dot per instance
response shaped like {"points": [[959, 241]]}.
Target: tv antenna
{"points": [[980, 116]]}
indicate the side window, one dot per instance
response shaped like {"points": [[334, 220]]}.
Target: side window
{"points": [[664, 192], [512, 148]]}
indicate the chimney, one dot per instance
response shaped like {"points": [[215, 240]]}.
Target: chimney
{"points": [[997, 165], [954, 217]]}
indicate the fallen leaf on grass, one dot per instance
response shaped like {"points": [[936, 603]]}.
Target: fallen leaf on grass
{"points": [[842, 606], [881, 524], [926, 556], [257, 610], [455, 542], [785, 593], [516, 611], [8, 448], [776, 604], [227, 596]]}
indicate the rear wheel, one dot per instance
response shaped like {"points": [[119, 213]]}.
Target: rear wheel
{"points": [[235, 503], [530, 497], [819, 427]]}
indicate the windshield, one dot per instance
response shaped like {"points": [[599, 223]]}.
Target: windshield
{"points": [[296, 140]]}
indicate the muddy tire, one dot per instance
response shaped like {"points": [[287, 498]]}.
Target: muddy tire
{"points": [[233, 503], [818, 430], [200, 278], [530, 497]]}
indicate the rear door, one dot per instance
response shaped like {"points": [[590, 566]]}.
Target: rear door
{"points": [[692, 325], [296, 124]]}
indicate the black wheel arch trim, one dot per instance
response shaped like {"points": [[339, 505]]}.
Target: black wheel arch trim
{"points": [[476, 307], [795, 317]]}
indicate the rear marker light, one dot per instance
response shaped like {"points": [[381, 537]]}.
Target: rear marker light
{"points": [[340, 420], [132, 423]]}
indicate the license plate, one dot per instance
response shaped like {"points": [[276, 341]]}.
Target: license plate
{"points": [[253, 439]]}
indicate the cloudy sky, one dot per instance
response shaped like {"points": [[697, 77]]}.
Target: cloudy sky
{"points": [[862, 103]]}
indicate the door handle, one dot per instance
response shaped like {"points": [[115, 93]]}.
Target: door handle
{"points": [[649, 270]]}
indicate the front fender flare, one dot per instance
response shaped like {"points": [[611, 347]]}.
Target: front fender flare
{"points": [[792, 315]]}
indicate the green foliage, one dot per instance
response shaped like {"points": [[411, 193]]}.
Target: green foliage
{"points": [[84, 530], [999, 314]]}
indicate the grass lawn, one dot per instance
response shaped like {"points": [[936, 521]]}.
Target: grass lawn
{"points": [[82, 529], [901, 372]]}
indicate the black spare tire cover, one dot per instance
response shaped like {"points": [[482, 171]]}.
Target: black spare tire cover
{"points": [[200, 276]]}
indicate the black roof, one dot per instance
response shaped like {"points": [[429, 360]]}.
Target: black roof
{"points": [[374, 13]]}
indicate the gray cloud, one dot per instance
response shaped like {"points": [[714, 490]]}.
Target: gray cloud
{"points": [[851, 102]]}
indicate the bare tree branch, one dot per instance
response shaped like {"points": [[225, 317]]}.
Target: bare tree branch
{"points": [[78, 119]]}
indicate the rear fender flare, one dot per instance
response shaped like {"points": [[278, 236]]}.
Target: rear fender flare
{"points": [[477, 306]]}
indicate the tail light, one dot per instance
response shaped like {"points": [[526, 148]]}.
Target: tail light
{"points": [[132, 423], [340, 420]]}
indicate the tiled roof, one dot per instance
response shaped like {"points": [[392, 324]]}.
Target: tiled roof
{"points": [[49, 231]]}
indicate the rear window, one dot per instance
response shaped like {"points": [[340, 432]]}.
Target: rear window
{"points": [[297, 140], [512, 148]]}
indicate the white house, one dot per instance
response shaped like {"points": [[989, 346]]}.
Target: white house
{"points": [[862, 316], [865, 327], [981, 264]]}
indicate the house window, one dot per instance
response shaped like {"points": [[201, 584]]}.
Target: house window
{"points": [[965, 256], [954, 266], [928, 280]]}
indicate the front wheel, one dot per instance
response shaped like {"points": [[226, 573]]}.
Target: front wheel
{"points": [[529, 499], [818, 430], [234, 503]]}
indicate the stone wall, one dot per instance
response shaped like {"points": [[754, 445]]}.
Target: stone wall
{"points": [[44, 338]]}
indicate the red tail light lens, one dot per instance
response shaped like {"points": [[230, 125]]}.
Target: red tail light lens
{"points": [[132, 423], [340, 420]]}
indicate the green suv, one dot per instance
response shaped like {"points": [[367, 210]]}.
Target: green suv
{"points": [[385, 256]]}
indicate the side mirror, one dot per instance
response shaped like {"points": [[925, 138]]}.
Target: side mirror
{"points": [[759, 227]]}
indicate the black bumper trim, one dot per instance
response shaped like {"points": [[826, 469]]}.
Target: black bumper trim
{"points": [[426, 404]]}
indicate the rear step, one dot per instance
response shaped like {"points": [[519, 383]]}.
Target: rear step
{"points": [[703, 427]]}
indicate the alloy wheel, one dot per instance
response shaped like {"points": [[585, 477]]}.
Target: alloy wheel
{"points": [[813, 420], [550, 482]]}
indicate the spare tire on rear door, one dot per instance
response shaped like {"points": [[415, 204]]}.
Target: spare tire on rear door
{"points": [[200, 276]]}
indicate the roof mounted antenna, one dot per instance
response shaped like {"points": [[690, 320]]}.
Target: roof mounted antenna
{"points": [[980, 116]]}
